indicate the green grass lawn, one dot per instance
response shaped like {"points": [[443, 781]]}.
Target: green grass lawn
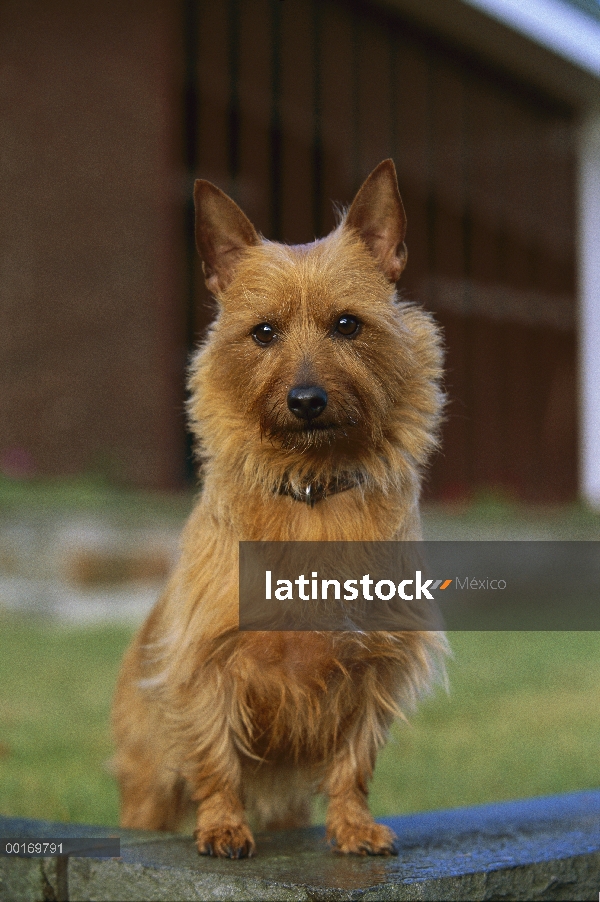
{"points": [[521, 719]]}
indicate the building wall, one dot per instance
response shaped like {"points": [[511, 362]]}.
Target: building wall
{"points": [[108, 111], [90, 220], [297, 102]]}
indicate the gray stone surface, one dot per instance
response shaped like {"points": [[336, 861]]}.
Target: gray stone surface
{"points": [[545, 848]]}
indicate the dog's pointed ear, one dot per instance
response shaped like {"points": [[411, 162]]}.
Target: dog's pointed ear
{"points": [[223, 233], [377, 216]]}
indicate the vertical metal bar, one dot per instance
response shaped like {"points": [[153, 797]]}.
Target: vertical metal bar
{"points": [[467, 212], [431, 200], [504, 438], [190, 22], [190, 147], [317, 146], [393, 56], [467, 243], [275, 130], [233, 106], [357, 173]]}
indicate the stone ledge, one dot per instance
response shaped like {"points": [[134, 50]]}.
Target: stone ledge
{"points": [[547, 848]]}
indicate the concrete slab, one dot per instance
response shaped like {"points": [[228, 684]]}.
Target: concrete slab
{"points": [[536, 849]]}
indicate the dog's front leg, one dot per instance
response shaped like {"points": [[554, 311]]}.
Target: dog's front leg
{"points": [[350, 824], [215, 779], [221, 826]]}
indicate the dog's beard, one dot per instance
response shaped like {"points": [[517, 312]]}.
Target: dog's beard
{"points": [[302, 438], [311, 436], [342, 421]]}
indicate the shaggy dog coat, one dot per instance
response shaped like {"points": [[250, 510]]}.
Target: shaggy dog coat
{"points": [[248, 726]]}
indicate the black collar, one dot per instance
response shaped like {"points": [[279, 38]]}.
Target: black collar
{"points": [[312, 492]]}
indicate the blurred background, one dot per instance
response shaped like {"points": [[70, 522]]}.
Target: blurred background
{"points": [[108, 112]]}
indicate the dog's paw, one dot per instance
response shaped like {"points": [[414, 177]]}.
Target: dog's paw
{"points": [[232, 841], [364, 839]]}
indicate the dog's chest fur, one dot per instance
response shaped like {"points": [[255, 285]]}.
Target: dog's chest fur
{"points": [[300, 691]]}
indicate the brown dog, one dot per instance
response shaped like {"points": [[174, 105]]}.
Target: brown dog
{"points": [[315, 383]]}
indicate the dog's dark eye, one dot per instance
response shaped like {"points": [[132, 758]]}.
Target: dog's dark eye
{"points": [[347, 325], [264, 333]]}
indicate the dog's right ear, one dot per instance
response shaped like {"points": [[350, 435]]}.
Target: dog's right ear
{"points": [[223, 233]]}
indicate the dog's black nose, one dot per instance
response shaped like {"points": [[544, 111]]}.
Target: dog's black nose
{"points": [[307, 401]]}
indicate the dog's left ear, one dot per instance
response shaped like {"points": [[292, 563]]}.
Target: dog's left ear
{"points": [[378, 216]]}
